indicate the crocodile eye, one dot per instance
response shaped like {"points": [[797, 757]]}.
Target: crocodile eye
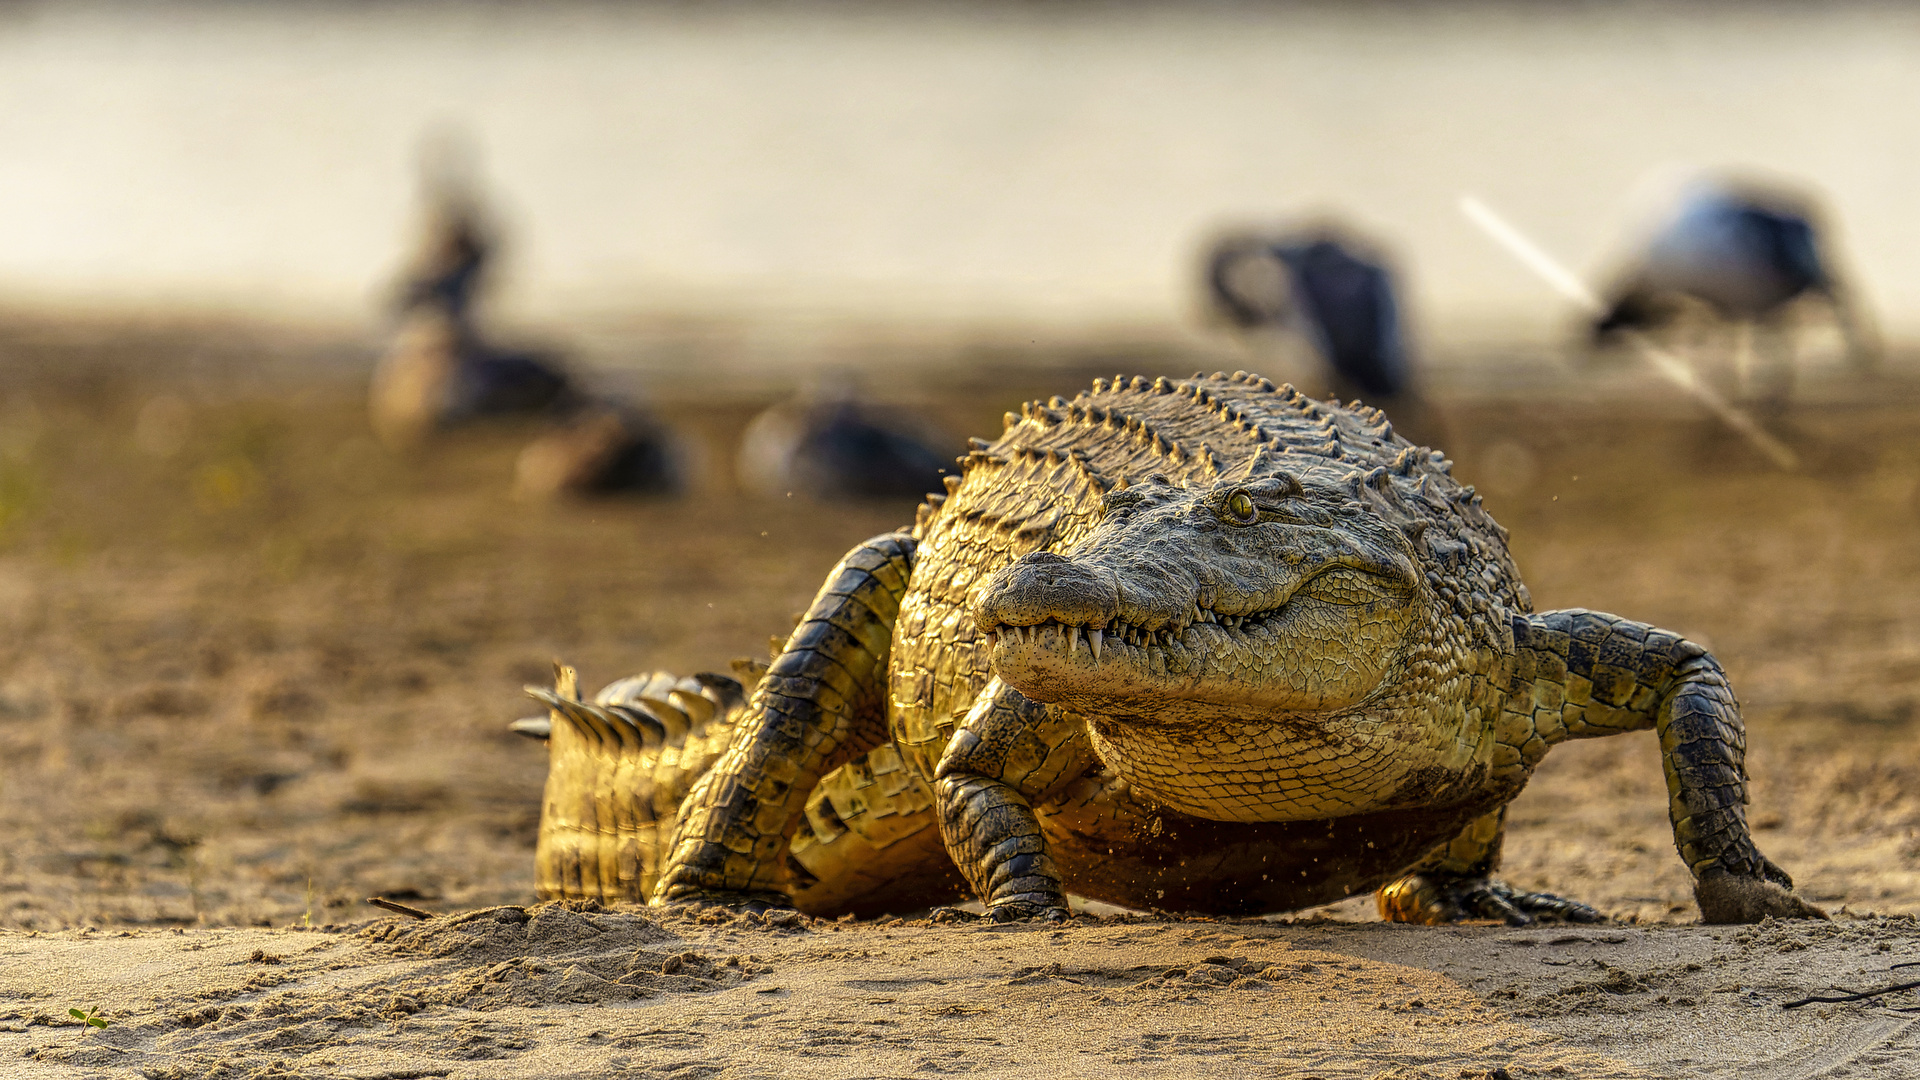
{"points": [[1240, 509]]}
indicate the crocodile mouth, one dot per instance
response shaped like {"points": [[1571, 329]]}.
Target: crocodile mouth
{"points": [[1100, 639], [1306, 655]]}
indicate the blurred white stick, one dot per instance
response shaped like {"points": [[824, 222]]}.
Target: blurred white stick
{"points": [[1675, 369]]}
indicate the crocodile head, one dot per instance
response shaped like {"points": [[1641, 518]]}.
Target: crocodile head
{"points": [[1242, 599]]}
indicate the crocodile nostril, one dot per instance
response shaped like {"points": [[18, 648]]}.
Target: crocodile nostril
{"points": [[1043, 587]]}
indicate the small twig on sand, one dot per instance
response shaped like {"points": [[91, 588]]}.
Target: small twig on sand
{"points": [[383, 902], [1863, 994]]}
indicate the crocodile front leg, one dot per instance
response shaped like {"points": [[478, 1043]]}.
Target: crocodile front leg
{"points": [[1582, 674], [821, 704], [1008, 754]]}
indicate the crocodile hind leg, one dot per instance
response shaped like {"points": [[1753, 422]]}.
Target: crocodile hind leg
{"points": [[1581, 674], [1456, 882], [869, 842], [822, 705]]}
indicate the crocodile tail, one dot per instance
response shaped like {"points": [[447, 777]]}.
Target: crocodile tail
{"points": [[618, 767]]}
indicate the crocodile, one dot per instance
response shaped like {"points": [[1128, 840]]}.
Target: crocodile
{"points": [[1206, 645]]}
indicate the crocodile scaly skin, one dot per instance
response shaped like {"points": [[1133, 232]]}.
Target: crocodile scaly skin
{"points": [[1201, 645]]}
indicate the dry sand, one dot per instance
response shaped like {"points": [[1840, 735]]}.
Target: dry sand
{"points": [[552, 992], [253, 670]]}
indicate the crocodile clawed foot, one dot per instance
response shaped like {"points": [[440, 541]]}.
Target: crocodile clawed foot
{"points": [[740, 903], [1020, 911], [1435, 898], [1006, 912]]}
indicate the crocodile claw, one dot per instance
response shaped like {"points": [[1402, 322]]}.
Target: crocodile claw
{"points": [[739, 902], [1020, 911], [1014, 911], [1435, 898], [1498, 900]]}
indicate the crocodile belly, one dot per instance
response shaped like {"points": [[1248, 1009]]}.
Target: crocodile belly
{"points": [[1116, 848], [1267, 772]]}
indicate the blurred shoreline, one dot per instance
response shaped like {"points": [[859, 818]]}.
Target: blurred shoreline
{"points": [[692, 361], [1053, 166]]}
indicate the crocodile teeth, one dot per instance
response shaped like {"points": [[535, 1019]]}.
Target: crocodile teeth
{"points": [[1073, 640], [1093, 642]]}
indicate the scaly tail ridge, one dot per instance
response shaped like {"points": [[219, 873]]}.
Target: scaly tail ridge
{"points": [[618, 768]]}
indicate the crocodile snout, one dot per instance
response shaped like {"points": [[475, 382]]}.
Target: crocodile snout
{"points": [[1043, 586]]}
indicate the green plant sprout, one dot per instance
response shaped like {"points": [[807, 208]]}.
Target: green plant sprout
{"points": [[91, 1017]]}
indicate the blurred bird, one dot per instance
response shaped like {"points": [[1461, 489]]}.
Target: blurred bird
{"points": [[832, 447], [438, 371], [437, 374], [1746, 255], [447, 270], [1324, 286], [602, 448], [457, 241]]}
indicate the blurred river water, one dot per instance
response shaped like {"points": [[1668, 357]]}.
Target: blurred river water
{"points": [[915, 168]]}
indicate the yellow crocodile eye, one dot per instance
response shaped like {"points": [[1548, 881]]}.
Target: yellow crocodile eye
{"points": [[1241, 508]]}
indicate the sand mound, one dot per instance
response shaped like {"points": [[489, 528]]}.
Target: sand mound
{"points": [[572, 953], [502, 933]]}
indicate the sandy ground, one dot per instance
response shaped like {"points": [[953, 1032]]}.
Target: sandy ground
{"points": [[253, 669], [553, 992]]}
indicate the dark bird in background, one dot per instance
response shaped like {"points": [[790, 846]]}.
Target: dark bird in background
{"points": [[831, 446], [438, 374], [447, 272], [602, 447], [1746, 256], [457, 239], [439, 371], [1328, 288]]}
